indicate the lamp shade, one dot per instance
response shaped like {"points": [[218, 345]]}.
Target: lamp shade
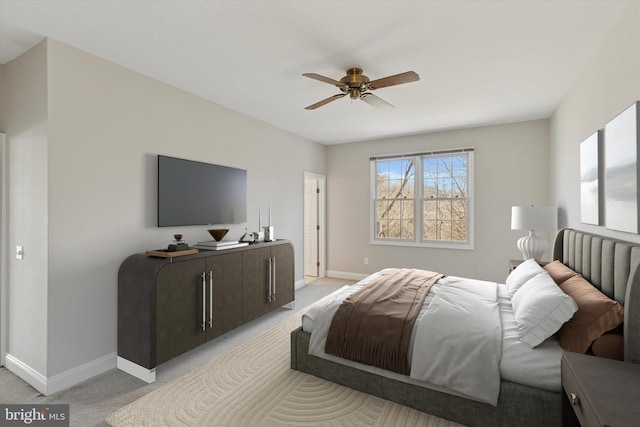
{"points": [[532, 218]]}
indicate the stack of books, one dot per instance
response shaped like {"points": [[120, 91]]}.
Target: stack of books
{"points": [[213, 245]]}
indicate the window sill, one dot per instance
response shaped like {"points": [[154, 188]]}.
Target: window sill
{"points": [[444, 245]]}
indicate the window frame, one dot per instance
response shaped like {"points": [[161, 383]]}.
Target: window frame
{"points": [[418, 201]]}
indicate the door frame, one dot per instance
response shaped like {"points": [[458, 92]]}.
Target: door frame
{"points": [[4, 249], [322, 235]]}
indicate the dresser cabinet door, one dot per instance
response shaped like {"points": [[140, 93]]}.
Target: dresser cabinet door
{"points": [[226, 284], [179, 308], [255, 283], [282, 256]]}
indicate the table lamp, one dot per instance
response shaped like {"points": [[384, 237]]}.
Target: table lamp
{"points": [[532, 218]]}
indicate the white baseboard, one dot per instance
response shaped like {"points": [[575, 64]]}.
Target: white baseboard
{"points": [[34, 378], [63, 380], [346, 275], [300, 284], [140, 372], [81, 373]]}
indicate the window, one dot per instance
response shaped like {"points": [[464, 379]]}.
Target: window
{"points": [[423, 199]]}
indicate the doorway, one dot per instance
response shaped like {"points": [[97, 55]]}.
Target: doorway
{"points": [[314, 226]]}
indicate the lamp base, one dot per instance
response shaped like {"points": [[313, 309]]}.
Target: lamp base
{"points": [[532, 246]]}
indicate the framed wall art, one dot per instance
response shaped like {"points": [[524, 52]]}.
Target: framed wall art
{"points": [[621, 171], [590, 187]]}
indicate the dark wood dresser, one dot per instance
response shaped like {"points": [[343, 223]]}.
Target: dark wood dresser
{"points": [[168, 306]]}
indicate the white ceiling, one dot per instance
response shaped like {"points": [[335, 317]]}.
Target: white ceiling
{"points": [[480, 62]]}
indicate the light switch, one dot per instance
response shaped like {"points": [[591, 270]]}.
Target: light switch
{"points": [[19, 252]]}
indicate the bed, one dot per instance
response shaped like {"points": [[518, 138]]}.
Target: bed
{"points": [[610, 265]]}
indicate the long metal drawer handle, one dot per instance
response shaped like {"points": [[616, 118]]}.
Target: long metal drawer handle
{"points": [[204, 301], [210, 299], [273, 281], [269, 271]]}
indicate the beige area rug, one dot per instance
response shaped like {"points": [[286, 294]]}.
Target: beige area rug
{"points": [[254, 385]]}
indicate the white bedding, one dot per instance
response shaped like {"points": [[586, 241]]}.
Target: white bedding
{"points": [[516, 362], [459, 339]]}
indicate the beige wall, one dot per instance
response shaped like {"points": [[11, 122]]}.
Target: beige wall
{"points": [[608, 85], [97, 165], [24, 110], [511, 168]]}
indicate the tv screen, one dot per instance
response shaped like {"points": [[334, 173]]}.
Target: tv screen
{"points": [[196, 193]]}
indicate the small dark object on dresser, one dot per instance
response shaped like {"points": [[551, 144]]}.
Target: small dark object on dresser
{"points": [[178, 247]]}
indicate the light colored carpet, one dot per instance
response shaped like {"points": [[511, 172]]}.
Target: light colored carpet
{"points": [[253, 385]]}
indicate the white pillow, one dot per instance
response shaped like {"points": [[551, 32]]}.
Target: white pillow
{"points": [[523, 272], [541, 308]]}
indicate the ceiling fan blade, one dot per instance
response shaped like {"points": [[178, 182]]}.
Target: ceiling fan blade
{"points": [[325, 79], [375, 101], [408, 77], [325, 101]]}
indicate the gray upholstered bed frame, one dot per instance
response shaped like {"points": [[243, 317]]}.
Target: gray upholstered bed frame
{"points": [[611, 265]]}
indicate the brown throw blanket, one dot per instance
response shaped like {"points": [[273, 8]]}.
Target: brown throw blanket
{"points": [[373, 325]]}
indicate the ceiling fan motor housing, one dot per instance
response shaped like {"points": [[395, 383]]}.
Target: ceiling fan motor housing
{"points": [[356, 82]]}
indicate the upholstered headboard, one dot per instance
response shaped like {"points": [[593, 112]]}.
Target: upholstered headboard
{"points": [[611, 265]]}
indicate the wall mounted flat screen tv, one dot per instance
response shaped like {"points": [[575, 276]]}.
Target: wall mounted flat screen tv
{"points": [[196, 193]]}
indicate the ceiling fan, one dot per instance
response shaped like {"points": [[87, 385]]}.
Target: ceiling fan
{"points": [[358, 86]]}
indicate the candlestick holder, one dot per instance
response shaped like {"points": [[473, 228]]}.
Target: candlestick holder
{"points": [[268, 234]]}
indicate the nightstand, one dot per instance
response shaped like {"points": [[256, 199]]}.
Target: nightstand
{"points": [[599, 392], [513, 263]]}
